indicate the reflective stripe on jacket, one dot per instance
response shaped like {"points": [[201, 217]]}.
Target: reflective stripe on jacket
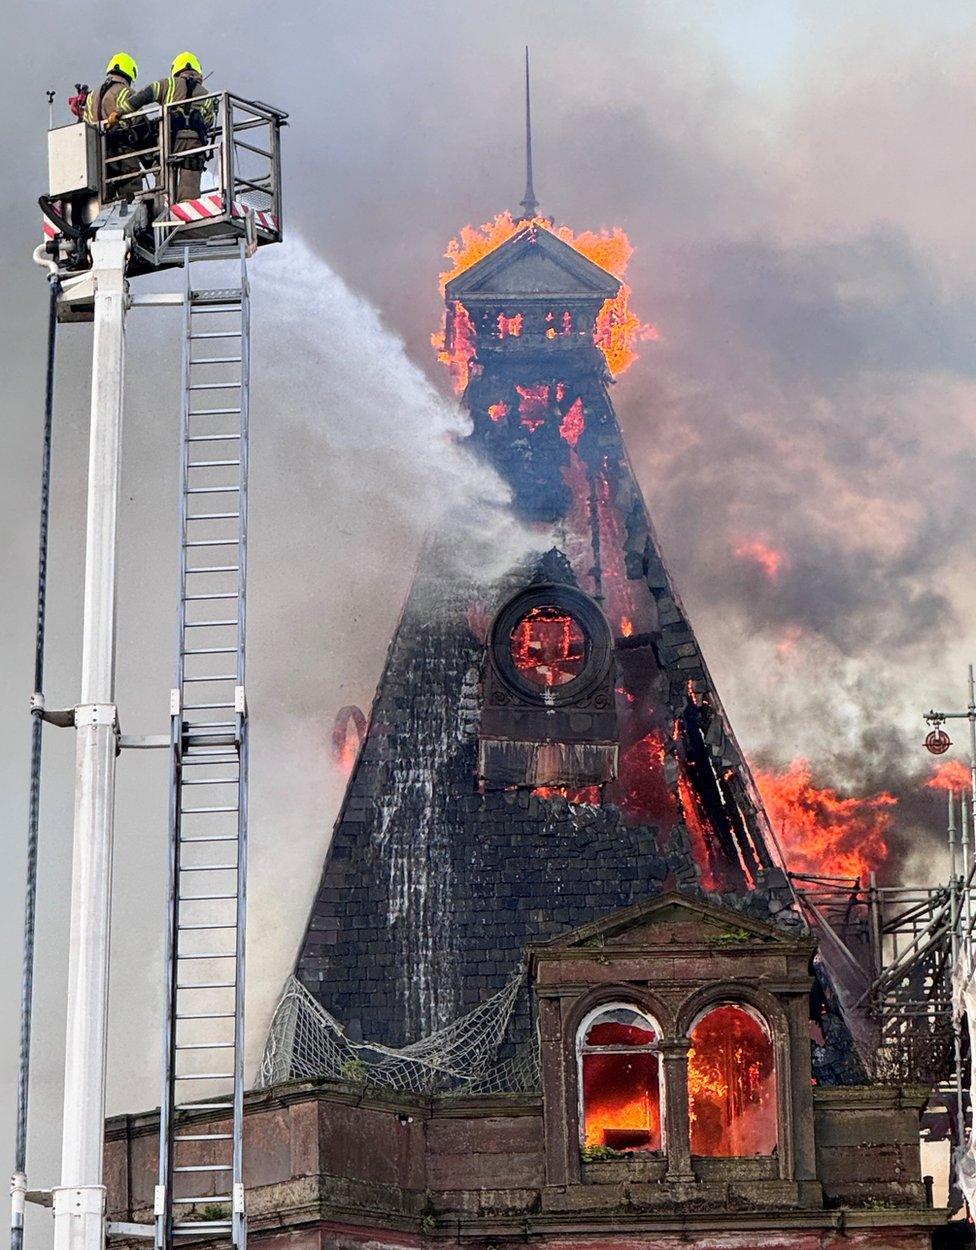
{"points": [[182, 86], [113, 96]]}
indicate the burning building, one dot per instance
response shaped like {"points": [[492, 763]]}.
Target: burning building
{"points": [[555, 987]]}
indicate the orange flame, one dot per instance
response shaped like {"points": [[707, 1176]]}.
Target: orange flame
{"points": [[760, 552], [618, 329], [348, 733], [824, 833], [584, 795], [573, 423], [949, 775], [731, 1085]]}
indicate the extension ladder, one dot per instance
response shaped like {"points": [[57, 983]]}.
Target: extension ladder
{"points": [[200, 1192]]}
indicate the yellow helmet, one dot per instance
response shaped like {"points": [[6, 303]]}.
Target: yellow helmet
{"points": [[186, 60], [122, 63]]}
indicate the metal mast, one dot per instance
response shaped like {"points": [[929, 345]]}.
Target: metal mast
{"points": [[79, 1201], [529, 204]]}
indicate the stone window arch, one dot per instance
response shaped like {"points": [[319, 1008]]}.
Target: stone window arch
{"points": [[732, 1094], [619, 1079]]}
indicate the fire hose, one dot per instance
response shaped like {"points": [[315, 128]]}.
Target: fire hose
{"points": [[18, 1188]]}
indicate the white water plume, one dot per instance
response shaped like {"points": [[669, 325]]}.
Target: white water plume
{"points": [[356, 459]]}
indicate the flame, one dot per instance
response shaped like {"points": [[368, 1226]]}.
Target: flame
{"points": [[548, 647], [731, 1085], [498, 412], [700, 832], [573, 423], [533, 405], [348, 733], [790, 641], [461, 336], [644, 789], [824, 833], [618, 329], [626, 627], [589, 795], [950, 775], [760, 552], [509, 327]]}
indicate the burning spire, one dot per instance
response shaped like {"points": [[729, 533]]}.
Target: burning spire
{"points": [[530, 205]]}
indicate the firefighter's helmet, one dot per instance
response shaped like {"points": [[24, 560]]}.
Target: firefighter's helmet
{"points": [[187, 60], [122, 63]]}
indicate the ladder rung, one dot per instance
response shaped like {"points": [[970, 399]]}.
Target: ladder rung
{"points": [[214, 837], [208, 955], [199, 811], [209, 1198], [209, 650], [211, 985], [199, 707], [204, 1137], [205, 1015], [204, 1076], [215, 412], [212, 438], [210, 490], [213, 542], [217, 360], [210, 924], [204, 1045], [197, 1228], [218, 677], [215, 334], [205, 1167], [214, 516], [207, 625], [203, 898], [204, 757], [202, 1198], [210, 781], [208, 868], [213, 464], [216, 568]]}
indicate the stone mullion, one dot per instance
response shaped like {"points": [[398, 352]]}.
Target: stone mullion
{"points": [[677, 1124]]}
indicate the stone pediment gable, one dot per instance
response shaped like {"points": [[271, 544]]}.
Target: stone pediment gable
{"points": [[536, 264], [673, 921]]}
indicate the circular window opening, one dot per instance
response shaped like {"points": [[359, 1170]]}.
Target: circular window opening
{"points": [[548, 647]]}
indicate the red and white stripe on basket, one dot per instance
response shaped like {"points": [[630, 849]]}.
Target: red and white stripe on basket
{"points": [[212, 205], [50, 231]]}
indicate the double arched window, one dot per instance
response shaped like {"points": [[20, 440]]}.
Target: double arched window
{"points": [[619, 1079], [732, 1100], [732, 1083]]}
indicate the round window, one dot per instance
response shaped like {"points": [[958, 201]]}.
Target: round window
{"points": [[551, 645], [548, 647]]}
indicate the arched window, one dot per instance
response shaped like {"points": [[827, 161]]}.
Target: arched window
{"points": [[732, 1084], [619, 1079]]}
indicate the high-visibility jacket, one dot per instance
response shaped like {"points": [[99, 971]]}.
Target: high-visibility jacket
{"points": [[113, 96], [182, 86]]}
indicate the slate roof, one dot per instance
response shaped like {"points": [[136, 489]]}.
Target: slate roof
{"points": [[431, 891]]}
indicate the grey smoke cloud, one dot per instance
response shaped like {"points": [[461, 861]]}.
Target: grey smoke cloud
{"points": [[796, 179]]}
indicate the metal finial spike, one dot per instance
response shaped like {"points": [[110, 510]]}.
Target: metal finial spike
{"points": [[530, 205]]}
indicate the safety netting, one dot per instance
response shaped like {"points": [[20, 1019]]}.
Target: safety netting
{"points": [[468, 1056]]}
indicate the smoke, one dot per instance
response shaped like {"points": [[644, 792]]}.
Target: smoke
{"points": [[797, 182], [356, 461]]}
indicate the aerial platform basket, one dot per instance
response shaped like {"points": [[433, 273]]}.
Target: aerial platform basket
{"points": [[138, 160]]}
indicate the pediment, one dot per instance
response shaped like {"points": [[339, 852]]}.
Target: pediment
{"points": [[537, 264], [673, 920]]}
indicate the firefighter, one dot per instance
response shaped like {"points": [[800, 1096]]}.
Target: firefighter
{"points": [[108, 103], [190, 126]]}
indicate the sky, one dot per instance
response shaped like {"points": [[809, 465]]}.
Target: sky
{"points": [[797, 180]]}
